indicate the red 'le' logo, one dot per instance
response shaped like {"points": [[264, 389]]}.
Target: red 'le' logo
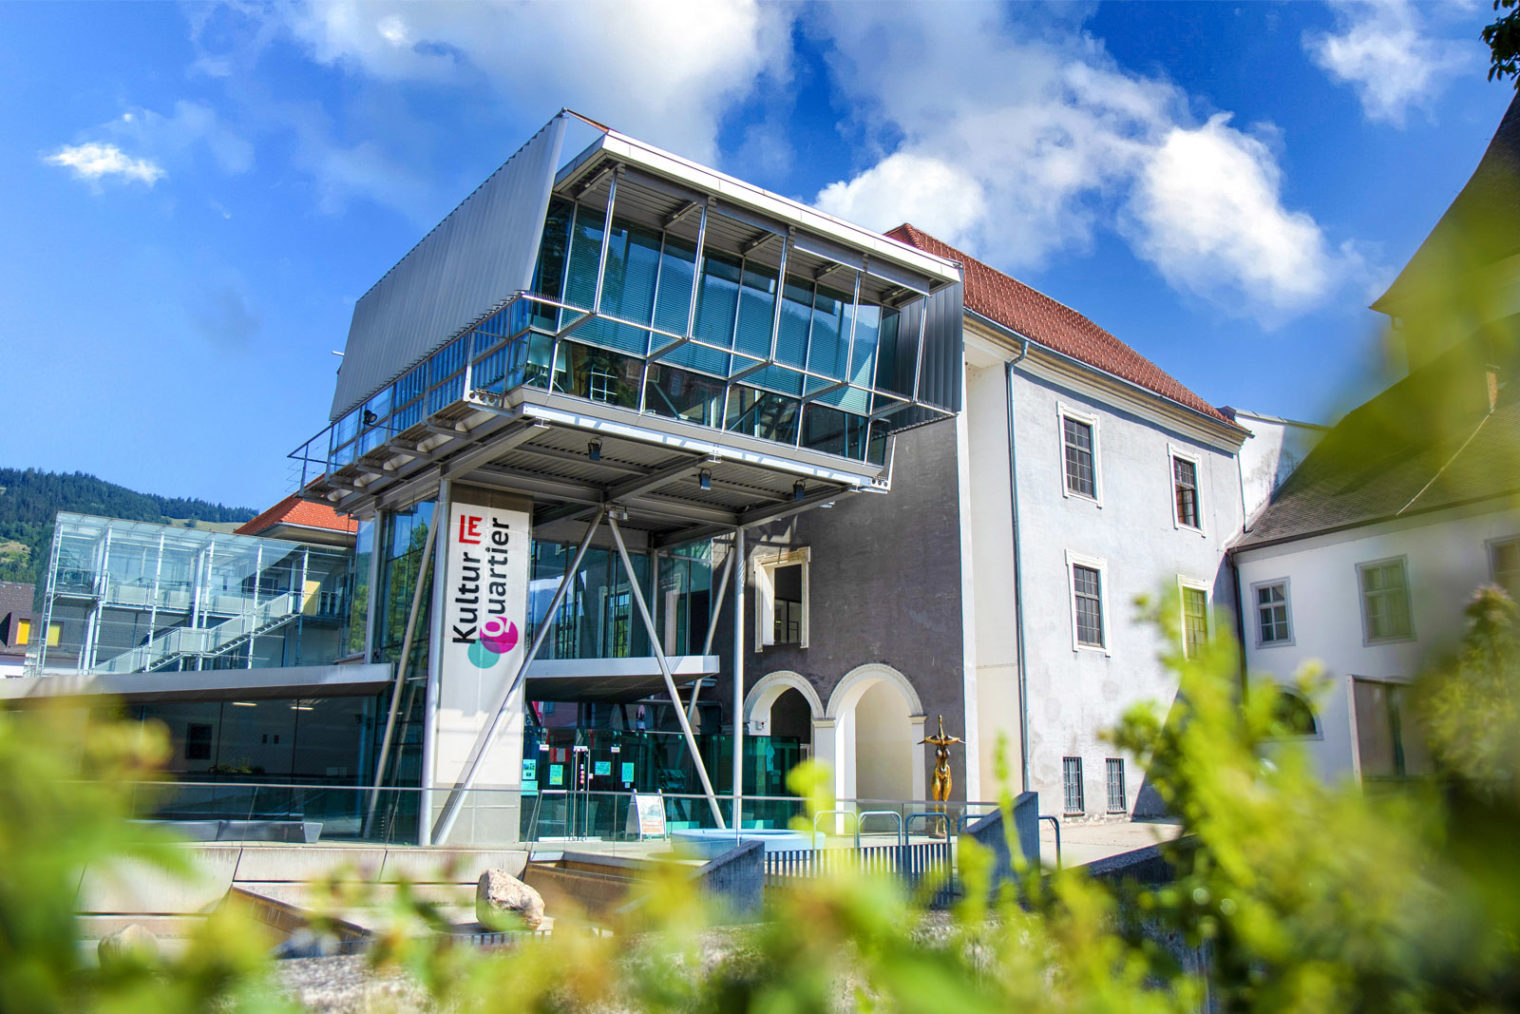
{"points": [[469, 529]]}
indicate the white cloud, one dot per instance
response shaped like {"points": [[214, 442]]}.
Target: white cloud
{"points": [[904, 187], [1386, 51], [1019, 141], [665, 70], [94, 161], [1207, 210], [189, 125]]}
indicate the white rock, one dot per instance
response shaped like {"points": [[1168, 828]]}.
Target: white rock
{"points": [[499, 892], [134, 943]]}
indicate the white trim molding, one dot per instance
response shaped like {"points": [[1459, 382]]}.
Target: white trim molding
{"points": [[1100, 565], [765, 567], [1173, 455], [1090, 420]]}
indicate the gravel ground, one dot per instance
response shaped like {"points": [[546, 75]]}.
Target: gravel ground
{"points": [[347, 985]]}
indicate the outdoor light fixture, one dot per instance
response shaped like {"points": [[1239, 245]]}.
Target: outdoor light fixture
{"points": [[704, 479], [594, 450], [798, 489], [243, 704]]}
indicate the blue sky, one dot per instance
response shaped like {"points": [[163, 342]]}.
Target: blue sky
{"points": [[196, 195]]}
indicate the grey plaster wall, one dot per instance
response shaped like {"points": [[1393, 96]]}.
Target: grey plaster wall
{"points": [[885, 587]]}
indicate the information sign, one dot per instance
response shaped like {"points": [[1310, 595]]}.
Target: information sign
{"points": [[627, 772], [646, 816], [602, 769], [556, 774]]}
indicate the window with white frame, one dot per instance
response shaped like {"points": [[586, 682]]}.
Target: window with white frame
{"points": [[781, 598], [1186, 510], [1079, 453], [1195, 619], [1087, 600], [1504, 565], [1270, 599], [1385, 600], [1116, 798], [1071, 784]]}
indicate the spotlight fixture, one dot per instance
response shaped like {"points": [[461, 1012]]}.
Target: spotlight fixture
{"points": [[704, 479], [798, 489], [594, 450]]}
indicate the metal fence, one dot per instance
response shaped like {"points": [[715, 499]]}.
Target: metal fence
{"points": [[917, 865]]}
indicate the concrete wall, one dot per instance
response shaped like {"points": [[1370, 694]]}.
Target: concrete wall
{"points": [[1447, 559]]}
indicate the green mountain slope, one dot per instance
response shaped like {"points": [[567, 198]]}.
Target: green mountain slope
{"points": [[29, 499]]}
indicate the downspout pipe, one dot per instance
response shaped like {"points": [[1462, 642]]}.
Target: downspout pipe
{"points": [[1018, 573]]}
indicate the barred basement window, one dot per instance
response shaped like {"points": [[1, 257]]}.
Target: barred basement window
{"points": [[1116, 798], [1071, 779]]}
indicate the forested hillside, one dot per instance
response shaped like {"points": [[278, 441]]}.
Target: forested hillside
{"points": [[30, 498]]}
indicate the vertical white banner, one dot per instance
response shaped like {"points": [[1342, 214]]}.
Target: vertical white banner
{"points": [[484, 641]]}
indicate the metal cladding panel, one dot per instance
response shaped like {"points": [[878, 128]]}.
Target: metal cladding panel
{"points": [[939, 382], [481, 254]]}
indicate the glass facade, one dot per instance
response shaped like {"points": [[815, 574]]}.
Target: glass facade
{"points": [[127, 596], [720, 340]]}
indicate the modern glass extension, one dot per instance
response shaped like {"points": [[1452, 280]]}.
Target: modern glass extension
{"points": [[687, 310], [129, 596]]}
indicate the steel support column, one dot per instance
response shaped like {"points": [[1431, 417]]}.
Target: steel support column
{"points": [[712, 627], [430, 699], [739, 551], [664, 664], [483, 742]]}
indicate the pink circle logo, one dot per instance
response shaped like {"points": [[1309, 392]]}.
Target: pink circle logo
{"points": [[499, 635]]}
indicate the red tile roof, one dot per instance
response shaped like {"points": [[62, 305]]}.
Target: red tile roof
{"points": [[305, 513], [1035, 315]]}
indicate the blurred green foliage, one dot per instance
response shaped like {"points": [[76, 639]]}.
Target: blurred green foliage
{"points": [[1289, 894]]}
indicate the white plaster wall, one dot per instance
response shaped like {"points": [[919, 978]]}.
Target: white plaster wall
{"points": [[1275, 448], [990, 564], [1075, 694], [883, 750], [1447, 559]]}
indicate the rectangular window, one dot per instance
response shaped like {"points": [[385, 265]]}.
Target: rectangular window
{"points": [[781, 596], [23, 632], [1195, 620], [1077, 436], [1116, 798], [1087, 600], [1185, 491], [1387, 742], [1272, 613], [1504, 562], [1071, 782], [1385, 600], [198, 741], [54, 634]]}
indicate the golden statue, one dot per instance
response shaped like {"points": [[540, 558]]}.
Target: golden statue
{"points": [[940, 790]]}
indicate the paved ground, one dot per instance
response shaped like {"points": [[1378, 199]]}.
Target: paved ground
{"points": [[1082, 842]]}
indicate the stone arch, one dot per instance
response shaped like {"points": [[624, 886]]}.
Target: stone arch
{"points": [[767, 690], [874, 749]]}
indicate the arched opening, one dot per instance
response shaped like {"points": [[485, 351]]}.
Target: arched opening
{"points": [[884, 744], [792, 716], [874, 748], [1293, 715]]}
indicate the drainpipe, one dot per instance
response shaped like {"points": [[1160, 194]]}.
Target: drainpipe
{"points": [[1240, 626], [1018, 575]]}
